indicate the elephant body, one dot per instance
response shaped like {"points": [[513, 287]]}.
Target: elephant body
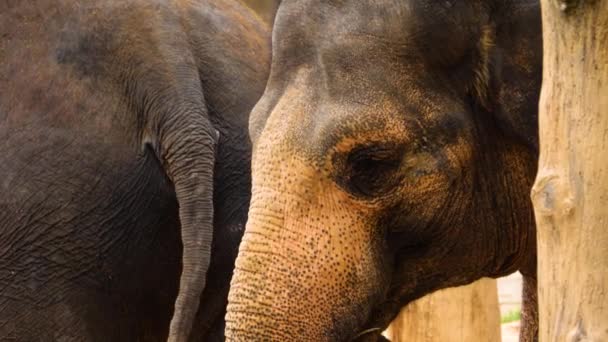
{"points": [[394, 150], [120, 121]]}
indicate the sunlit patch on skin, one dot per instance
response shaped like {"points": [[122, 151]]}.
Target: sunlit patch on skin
{"points": [[291, 216]]}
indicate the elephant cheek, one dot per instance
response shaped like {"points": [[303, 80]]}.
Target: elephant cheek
{"points": [[307, 270]]}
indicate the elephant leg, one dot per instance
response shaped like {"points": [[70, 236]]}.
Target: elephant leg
{"points": [[529, 314]]}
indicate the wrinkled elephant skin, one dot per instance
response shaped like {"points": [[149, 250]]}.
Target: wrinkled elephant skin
{"points": [[123, 149]]}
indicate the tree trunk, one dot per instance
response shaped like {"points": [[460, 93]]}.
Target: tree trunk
{"points": [[466, 313], [571, 191]]}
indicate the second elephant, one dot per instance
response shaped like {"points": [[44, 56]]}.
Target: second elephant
{"points": [[123, 130]]}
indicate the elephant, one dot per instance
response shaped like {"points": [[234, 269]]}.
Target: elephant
{"points": [[394, 150], [124, 165]]}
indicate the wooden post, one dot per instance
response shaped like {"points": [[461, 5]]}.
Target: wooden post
{"points": [[571, 191], [466, 313]]}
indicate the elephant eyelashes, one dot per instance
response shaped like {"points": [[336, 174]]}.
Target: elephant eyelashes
{"points": [[371, 171]]}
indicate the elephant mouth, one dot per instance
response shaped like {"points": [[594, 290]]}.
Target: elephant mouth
{"points": [[365, 333]]}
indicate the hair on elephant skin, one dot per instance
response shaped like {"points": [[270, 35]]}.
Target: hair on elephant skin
{"points": [[124, 165], [394, 150]]}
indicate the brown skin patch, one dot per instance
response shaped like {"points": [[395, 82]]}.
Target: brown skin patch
{"points": [[314, 228]]}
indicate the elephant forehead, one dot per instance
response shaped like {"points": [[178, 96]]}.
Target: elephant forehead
{"points": [[404, 27], [381, 18], [314, 128]]}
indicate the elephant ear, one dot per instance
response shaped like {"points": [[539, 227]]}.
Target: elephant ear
{"points": [[512, 68]]}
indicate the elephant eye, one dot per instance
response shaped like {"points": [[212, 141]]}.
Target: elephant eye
{"points": [[371, 171]]}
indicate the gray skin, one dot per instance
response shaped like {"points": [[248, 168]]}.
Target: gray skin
{"points": [[124, 138], [395, 147]]}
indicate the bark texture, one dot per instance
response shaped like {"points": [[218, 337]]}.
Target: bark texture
{"points": [[571, 191], [466, 313]]}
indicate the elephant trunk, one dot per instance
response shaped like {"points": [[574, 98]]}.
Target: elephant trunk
{"points": [[196, 217], [260, 283], [303, 273], [188, 154]]}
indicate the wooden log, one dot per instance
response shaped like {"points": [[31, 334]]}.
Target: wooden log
{"points": [[466, 313], [570, 194]]}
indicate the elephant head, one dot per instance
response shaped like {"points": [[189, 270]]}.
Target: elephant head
{"points": [[394, 150]]}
